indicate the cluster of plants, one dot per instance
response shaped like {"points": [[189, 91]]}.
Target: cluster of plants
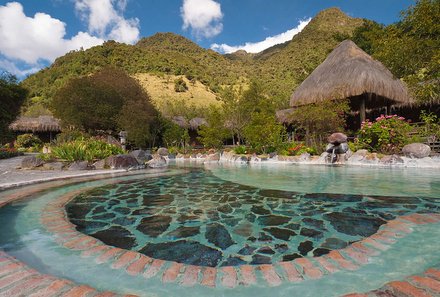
{"points": [[296, 149], [387, 134], [28, 143], [84, 150], [6, 153]]}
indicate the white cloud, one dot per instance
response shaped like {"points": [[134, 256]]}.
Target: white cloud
{"points": [[203, 17], [17, 71], [262, 45], [30, 39], [105, 18]]}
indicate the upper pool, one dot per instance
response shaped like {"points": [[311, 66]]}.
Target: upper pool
{"points": [[230, 216]]}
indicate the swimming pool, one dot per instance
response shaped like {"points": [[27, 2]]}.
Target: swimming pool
{"points": [[233, 231]]}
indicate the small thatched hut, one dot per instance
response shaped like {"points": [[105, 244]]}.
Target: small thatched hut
{"points": [[349, 72], [44, 126]]}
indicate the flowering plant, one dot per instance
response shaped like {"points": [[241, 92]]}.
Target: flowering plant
{"points": [[387, 134]]}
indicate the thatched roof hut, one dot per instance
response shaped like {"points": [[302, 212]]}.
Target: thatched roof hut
{"points": [[180, 121], [192, 124], [39, 124], [349, 72]]}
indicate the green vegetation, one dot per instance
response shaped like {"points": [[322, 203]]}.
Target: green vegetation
{"points": [[409, 48], [12, 96], [387, 134], [84, 150], [6, 153], [214, 134], [28, 142], [109, 100]]}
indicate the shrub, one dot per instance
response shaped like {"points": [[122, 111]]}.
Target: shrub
{"points": [[241, 150], [387, 134], [431, 125], [85, 150], [180, 85], [296, 149], [6, 153], [29, 142], [68, 136]]}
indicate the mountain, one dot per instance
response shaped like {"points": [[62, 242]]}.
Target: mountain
{"points": [[169, 56]]}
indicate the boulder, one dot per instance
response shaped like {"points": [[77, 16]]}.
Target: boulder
{"points": [[391, 159], [162, 151], [121, 161], [79, 165], [416, 150], [337, 138], [304, 157], [31, 162], [53, 166], [358, 156], [214, 157], [101, 164], [273, 155], [141, 156], [158, 161]]}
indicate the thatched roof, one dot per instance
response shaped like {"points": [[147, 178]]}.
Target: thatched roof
{"points": [[193, 124], [284, 115], [180, 121], [40, 124], [349, 72]]}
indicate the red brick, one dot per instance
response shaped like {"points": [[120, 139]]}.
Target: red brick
{"points": [[77, 242], [191, 275], [399, 226], [433, 273], [125, 259], [23, 287], [55, 288], [426, 282], [248, 275], [229, 278], [80, 291], [9, 268], [139, 265], [328, 266], [9, 279], [209, 276], [106, 294], [381, 238], [270, 275], [376, 244], [355, 295], [364, 249], [170, 275], [94, 250], [106, 256], [359, 257], [342, 262], [154, 268], [308, 268], [407, 289]]}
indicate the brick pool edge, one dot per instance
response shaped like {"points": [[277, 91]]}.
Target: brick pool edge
{"points": [[17, 277]]}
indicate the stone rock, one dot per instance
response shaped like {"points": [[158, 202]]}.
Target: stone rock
{"points": [[31, 162], [358, 156], [233, 261], [254, 158], [141, 156], [183, 232], [291, 257], [259, 259], [266, 250], [273, 220], [247, 250], [162, 152], [305, 247], [392, 159], [121, 161], [304, 157], [116, 236], [101, 164], [79, 165], [337, 138], [53, 166], [416, 150], [333, 243], [171, 156], [158, 161], [280, 233], [354, 224], [183, 251], [154, 225], [272, 155], [219, 236], [213, 157]]}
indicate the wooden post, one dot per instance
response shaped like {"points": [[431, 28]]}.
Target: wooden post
{"points": [[362, 110], [388, 109]]}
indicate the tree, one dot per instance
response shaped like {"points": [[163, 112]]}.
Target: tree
{"points": [[108, 100], [320, 119], [12, 97], [214, 134]]}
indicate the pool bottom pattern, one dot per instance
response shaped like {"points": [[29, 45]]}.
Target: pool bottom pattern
{"points": [[199, 219], [136, 264]]}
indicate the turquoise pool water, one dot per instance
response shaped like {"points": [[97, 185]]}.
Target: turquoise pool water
{"points": [[23, 236]]}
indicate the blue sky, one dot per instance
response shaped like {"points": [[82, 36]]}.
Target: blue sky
{"points": [[33, 33]]}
